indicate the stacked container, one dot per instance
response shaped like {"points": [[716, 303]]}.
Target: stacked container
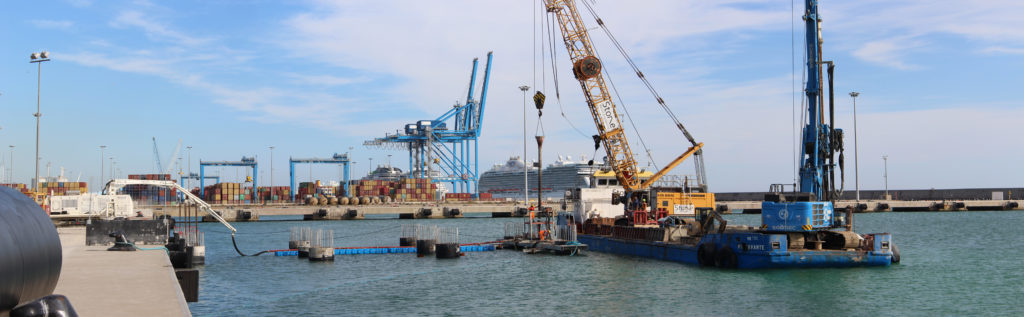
{"points": [[149, 195], [307, 188], [415, 189], [21, 188], [63, 188], [274, 194], [228, 194], [375, 187]]}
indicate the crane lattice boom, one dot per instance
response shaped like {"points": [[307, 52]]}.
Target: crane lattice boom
{"points": [[587, 69]]}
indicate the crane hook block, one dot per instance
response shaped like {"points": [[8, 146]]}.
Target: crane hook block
{"points": [[586, 68], [538, 100]]}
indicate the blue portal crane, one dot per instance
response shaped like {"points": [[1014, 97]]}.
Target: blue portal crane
{"points": [[449, 141], [245, 162], [336, 159], [811, 207], [195, 176]]}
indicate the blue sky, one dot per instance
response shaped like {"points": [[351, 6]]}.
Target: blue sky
{"points": [[938, 82]]}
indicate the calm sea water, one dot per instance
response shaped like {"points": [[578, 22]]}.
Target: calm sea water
{"points": [[962, 263]]}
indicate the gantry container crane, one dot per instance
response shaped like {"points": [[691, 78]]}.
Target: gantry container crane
{"points": [[448, 142]]}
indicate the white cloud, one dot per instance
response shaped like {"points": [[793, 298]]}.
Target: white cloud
{"points": [[420, 53], [1003, 50], [53, 24], [325, 80], [888, 52], [154, 29], [887, 32], [80, 3]]}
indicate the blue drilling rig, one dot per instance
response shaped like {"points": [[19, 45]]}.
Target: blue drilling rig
{"points": [[811, 208], [447, 143]]}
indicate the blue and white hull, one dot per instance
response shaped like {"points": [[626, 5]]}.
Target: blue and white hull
{"points": [[745, 251]]}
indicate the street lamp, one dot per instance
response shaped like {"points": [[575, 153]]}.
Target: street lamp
{"points": [[271, 168], [112, 164], [526, 181], [102, 156], [885, 160], [189, 167], [856, 165], [38, 58], [10, 178]]}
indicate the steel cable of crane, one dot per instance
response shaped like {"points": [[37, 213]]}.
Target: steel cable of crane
{"points": [[628, 116], [792, 59], [551, 47], [549, 25], [623, 103], [640, 74]]}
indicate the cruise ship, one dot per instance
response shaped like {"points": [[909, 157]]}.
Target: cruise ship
{"points": [[506, 180]]}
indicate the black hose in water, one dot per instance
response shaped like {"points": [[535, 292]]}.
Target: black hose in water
{"points": [[234, 243]]}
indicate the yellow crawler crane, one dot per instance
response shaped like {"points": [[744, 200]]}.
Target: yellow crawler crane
{"points": [[587, 69]]}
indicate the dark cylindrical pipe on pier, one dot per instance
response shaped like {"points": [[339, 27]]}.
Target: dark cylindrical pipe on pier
{"points": [[831, 177], [425, 247], [540, 173], [448, 251], [30, 251], [407, 241]]}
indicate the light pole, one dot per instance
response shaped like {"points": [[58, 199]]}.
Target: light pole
{"points": [[856, 165], [102, 156], [189, 148], [271, 168], [38, 58], [10, 178], [526, 169], [885, 160], [112, 164]]}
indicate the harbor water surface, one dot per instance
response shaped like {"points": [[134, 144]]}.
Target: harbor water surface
{"points": [[953, 263]]}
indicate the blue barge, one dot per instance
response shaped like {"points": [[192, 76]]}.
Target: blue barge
{"points": [[745, 251]]}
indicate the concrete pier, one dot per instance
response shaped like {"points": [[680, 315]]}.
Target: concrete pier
{"points": [[108, 283], [411, 210], [895, 205]]}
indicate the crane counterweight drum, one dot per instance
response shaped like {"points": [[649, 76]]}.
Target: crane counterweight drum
{"points": [[586, 68]]}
